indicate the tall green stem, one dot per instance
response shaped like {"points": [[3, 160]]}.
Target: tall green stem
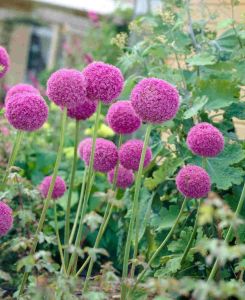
{"points": [[87, 192], [68, 208], [47, 200], [13, 154], [134, 215], [228, 235], [163, 244]]}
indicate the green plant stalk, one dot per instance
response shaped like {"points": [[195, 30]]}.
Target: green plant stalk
{"points": [[228, 235], [58, 237], [106, 218], [13, 154], [134, 214], [163, 244], [47, 200], [87, 192], [68, 208], [194, 231]]}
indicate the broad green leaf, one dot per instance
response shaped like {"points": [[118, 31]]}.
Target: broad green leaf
{"points": [[236, 110], [165, 218], [172, 266], [202, 59], [197, 105], [225, 23]]}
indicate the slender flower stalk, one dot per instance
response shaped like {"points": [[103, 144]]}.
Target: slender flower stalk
{"points": [[13, 154], [134, 213], [47, 200], [228, 235], [87, 191], [68, 208]]}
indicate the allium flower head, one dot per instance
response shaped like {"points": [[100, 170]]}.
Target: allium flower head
{"points": [[6, 218], [81, 146], [21, 88], [4, 62], [83, 110], [122, 118], [67, 88], [193, 182], [106, 155], [104, 81], [125, 177], [130, 154], [205, 140], [155, 100], [59, 187], [26, 111]]}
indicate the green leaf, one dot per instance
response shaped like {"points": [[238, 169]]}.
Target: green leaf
{"points": [[197, 105], [225, 23], [165, 218], [236, 110], [202, 59], [172, 266]]}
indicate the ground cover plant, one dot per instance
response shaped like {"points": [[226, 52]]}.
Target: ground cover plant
{"points": [[148, 205]]}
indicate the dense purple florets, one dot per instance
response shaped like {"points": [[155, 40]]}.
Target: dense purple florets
{"points": [[125, 177], [130, 154], [59, 187], [6, 218], [26, 111], [104, 82], [122, 118], [155, 100], [106, 155], [4, 62], [193, 182], [67, 88], [21, 88], [83, 110], [82, 145], [205, 140]]}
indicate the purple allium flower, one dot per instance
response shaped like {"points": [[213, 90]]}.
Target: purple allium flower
{"points": [[26, 111], [83, 110], [130, 154], [125, 177], [67, 88], [21, 88], [59, 187], [4, 62], [155, 100], [104, 81], [82, 145], [6, 218], [106, 155], [193, 182], [122, 118], [205, 140]]}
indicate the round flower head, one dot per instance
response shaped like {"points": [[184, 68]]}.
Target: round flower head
{"points": [[66, 88], [4, 62], [205, 140], [130, 154], [83, 110], [104, 82], [59, 187], [26, 111], [106, 155], [6, 218], [193, 182], [155, 100], [21, 88], [125, 177], [82, 145], [122, 118]]}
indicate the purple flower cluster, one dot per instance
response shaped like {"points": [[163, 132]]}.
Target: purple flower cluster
{"points": [[83, 110], [4, 62], [67, 88], [21, 88], [125, 177], [205, 140], [59, 187], [104, 82], [193, 182], [155, 100], [26, 111], [105, 157], [130, 154], [82, 145], [122, 118], [6, 218]]}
